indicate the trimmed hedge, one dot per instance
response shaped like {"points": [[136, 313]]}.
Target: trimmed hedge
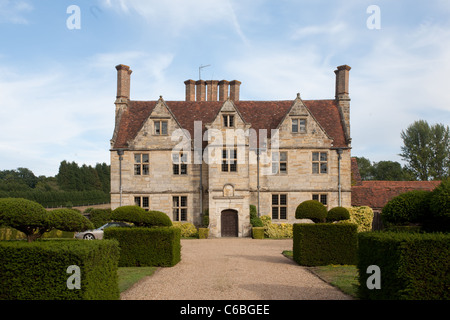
{"points": [[325, 243], [38, 270], [140, 246], [413, 266], [203, 233], [258, 232], [99, 217], [311, 209]]}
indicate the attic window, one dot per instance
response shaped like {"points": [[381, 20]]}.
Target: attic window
{"points": [[160, 128], [299, 125], [228, 121]]}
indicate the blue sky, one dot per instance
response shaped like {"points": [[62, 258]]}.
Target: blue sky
{"points": [[58, 86]]}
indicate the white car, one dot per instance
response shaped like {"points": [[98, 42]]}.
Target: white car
{"points": [[98, 233]]}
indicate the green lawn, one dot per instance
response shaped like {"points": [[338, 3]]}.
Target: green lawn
{"points": [[343, 277], [130, 275]]}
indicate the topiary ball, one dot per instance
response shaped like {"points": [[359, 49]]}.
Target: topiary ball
{"points": [[338, 214], [311, 209], [156, 219], [132, 214]]}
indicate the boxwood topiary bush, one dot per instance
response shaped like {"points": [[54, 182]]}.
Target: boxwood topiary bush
{"points": [[413, 266], [408, 207], [141, 218], [311, 209], [324, 243], [143, 246], [338, 214], [38, 270]]}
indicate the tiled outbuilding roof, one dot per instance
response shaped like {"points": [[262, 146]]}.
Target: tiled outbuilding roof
{"points": [[376, 194], [260, 114]]}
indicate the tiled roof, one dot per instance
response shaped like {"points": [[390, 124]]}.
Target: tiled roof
{"points": [[260, 114], [376, 194]]}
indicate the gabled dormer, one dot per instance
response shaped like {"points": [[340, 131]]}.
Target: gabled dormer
{"points": [[300, 128]]}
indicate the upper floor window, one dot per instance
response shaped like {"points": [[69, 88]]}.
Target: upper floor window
{"points": [[319, 162], [179, 161], [279, 162], [228, 121], [160, 127], [141, 164], [229, 160], [299, 125]]}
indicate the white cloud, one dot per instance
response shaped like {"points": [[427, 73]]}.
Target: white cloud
{"points": [[14, 11], [177, 16]]}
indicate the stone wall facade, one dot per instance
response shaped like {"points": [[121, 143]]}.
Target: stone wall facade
{"points": [[207, 187]]}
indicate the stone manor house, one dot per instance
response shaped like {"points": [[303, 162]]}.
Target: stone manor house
{"points": [[233, 154]]}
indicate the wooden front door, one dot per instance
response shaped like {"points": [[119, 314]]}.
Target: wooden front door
{"points": [[229, 222]]}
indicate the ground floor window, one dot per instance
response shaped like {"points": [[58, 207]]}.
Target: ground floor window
{"points": [[179, 207], [323, 198], [142, 202], [279, 206]]}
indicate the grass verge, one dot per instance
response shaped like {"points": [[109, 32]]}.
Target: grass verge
{"points": [[343, 277], [130, 275]]}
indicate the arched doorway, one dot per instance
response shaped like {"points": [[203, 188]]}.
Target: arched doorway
{"points": [[229, 223]]}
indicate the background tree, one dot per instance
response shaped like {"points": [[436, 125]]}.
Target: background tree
{"points": [[426, 149], [365, 168]]}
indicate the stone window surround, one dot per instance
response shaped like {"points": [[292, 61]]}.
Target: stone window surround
{"points": [[279, 205], [143, 202], [279, 162], [300, 124], [178, 208], [321, 197], [319, 164], [141, 166]]}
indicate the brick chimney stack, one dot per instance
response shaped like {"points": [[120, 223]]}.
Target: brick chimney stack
{"points": [[223, 90], [234, 90], [342, 75], [211, 86], [123, 81], [190, 90], [201, 90], [343, 98]]}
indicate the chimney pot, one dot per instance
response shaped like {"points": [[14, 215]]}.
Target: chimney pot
{"points": [[123, 81]]}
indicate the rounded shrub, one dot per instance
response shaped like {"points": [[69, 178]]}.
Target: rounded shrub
{"points": [[68, 220], [408, 207], [311, 209], [338, 214], [24, 215], [155, 219], [132, 214]]}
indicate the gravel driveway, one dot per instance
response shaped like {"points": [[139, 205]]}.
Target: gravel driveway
{"points": [[233, 269]]}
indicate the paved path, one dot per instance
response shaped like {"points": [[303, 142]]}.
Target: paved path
{"points": [[233, 269]]}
